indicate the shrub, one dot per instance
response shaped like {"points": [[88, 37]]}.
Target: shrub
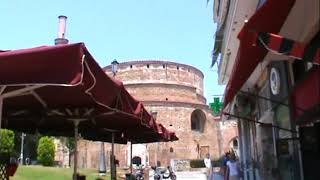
{"points": [[217, 162], [197, 163], [45, 151], [6, 141]]}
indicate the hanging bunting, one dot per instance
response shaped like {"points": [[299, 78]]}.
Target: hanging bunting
{"points": [[283, 46]]}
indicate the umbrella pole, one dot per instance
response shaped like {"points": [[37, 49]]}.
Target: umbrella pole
{"points": [[113, 167], [131, 157], [102, 163], [76, 123]]}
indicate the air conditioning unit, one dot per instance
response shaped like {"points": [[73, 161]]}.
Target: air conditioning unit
{"points": [[278, 81]]}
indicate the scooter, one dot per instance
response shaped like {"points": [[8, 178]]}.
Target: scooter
{"points": [[160, 173]]}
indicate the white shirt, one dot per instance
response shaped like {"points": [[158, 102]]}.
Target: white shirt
{"points": [[233, 168], [207, 162]]}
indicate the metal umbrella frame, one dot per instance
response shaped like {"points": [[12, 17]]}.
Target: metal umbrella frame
{"points": [[68, 99]]}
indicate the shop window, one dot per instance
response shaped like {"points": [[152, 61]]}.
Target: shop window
{"points": [[198, 119]]}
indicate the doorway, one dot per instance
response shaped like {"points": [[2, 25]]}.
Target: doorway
{"points": [[310, 151]]}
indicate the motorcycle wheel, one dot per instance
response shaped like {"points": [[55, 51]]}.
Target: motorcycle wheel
{"points": [[156, 177], [173, 177]]}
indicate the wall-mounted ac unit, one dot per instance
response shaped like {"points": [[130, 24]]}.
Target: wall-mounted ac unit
{"points": [[278, 81]]}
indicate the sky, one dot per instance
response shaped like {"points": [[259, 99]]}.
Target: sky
{"points": [[175, 30]]}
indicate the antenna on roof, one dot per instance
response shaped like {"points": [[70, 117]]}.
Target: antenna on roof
{"points": [[62, 31]]}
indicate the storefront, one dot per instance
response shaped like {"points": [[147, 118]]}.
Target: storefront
{"points": [[285, 109]]}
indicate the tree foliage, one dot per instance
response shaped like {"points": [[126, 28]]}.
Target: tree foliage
{"points": [[6, 141], [45, 151]]}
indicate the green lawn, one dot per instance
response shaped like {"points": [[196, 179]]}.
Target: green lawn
{"points": [[52, 173]]}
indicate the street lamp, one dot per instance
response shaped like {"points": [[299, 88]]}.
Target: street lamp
{"points": [[102, 164], [114, 67]]}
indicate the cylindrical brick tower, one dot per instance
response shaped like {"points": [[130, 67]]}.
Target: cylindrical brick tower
{"points": [[174, 92]]}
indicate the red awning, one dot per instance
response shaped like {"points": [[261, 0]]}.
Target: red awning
{"points": [[44, 87], [268, 18], [306, 98]]}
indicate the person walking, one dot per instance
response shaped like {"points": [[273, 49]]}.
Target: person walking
{"points": [[233, 168], [207, 163]]}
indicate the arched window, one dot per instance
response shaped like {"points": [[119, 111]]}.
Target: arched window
{"points": [[171, 149], [198, 119], [136, 160], [235, 143]]}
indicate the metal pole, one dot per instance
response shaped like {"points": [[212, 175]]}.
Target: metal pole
{"points": [[76, 123], [113, 172], [21, 151], [131, 157], [102, 164]]}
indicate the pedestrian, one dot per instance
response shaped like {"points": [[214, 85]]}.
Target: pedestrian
{"points": [[207, 163], [233, 168], [225, 159]]}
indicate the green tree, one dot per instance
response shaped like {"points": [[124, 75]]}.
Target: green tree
{"points": [[46, 151], [6, 141]]}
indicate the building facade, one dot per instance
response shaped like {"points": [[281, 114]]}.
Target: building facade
{"points": [[267, 54]]}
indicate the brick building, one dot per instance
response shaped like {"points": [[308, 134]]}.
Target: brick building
{"points": [[174, 92]]}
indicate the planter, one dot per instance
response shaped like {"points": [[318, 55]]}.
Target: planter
{"points": [[11, 169]]}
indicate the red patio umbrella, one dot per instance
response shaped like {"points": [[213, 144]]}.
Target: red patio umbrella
{"points": [[61, 90]]}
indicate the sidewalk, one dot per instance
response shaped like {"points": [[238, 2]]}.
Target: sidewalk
{"points": [[216, 174]]}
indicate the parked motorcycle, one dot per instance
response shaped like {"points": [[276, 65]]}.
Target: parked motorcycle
{"points": [[161, 173], [139, 173]]}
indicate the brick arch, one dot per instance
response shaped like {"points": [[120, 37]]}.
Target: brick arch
{"points": [[198, 120], [229, 131], [231, 145]]}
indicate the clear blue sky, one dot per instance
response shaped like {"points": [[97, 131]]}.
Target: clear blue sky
{"points": [[176, 30]]}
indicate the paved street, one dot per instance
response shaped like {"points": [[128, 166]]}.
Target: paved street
{"points": [[216, 176]]}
